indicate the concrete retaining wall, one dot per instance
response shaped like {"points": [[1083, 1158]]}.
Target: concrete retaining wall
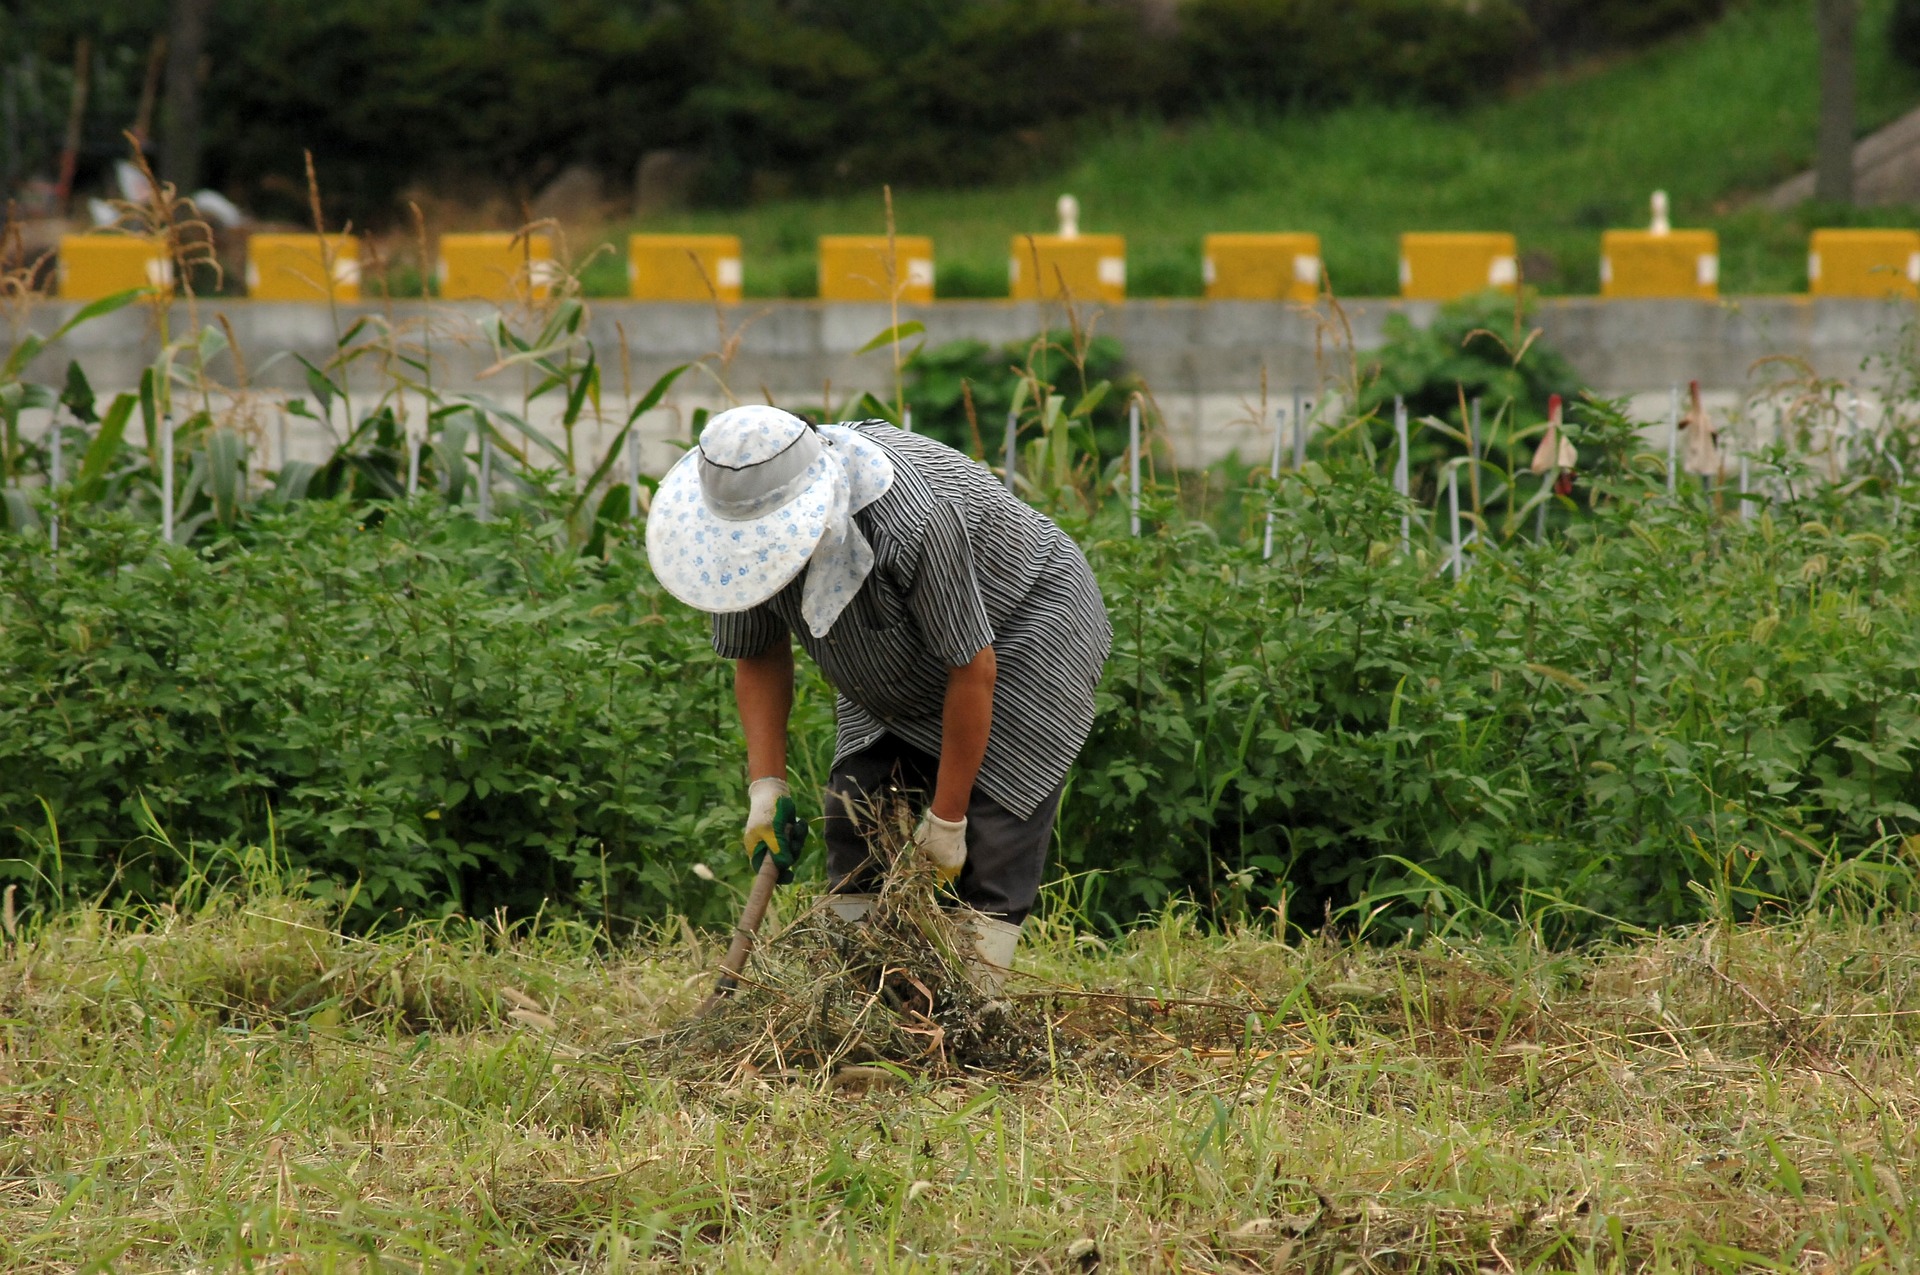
{"points": [[1203, 360]]}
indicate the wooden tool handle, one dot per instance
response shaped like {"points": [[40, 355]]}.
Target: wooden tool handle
{"points": [[750, 917]]}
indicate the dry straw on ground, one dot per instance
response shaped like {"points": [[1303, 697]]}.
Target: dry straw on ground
{"points": [[236, 1085]]}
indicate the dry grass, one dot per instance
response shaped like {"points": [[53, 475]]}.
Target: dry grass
{"points": [[239, 1086]]}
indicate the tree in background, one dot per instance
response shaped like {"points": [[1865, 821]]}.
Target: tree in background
{"points": [[187, 24], [1833, 181]]}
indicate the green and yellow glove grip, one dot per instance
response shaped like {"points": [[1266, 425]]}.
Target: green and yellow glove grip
{"points": [[774, 827]]}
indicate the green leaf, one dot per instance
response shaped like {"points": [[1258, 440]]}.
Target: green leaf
{"points": [[150, 412], [22, 354], [899, 332], [104, 448], [322, 386], [1090, 400], [78, 395], [94, 309], [226, 473]]}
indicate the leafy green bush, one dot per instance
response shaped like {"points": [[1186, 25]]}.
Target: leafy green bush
{"points": [[940, 381], [1667, 713], [432, 711], [1480, 348]]}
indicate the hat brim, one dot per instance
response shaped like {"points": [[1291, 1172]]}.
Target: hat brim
{"points": [[720, 565]]}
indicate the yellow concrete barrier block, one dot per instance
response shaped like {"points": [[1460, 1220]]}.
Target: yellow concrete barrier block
{"points": [[1646, 263], [95, 266], [1261, 267], [295, 268], [1091, 267], [683, 267], [495, 267], [854, 268], [1446, 266], [1864, 263]]}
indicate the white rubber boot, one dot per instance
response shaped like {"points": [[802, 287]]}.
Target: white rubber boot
{"points": [[993, 945], [851, 908]]}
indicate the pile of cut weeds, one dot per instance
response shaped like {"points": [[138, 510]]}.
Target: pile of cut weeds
{"points": [[895, 991]]}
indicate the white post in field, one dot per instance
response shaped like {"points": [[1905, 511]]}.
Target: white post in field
{"points": [[1746, 510], [1401, 479], [1273, 475], [413, 463], [906, 419], [1133, 464], [1453, 513]]}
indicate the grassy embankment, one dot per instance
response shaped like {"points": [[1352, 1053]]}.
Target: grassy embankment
{"points": [[234, 1085], [1714, 117]]}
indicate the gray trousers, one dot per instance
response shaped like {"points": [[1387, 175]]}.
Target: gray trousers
{"points": [[1006, 854]]}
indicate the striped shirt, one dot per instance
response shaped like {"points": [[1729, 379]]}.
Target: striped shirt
{"points": [[959, 562]]}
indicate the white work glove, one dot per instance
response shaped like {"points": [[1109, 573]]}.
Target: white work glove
{"points": [[761, 796], [943, 841]]}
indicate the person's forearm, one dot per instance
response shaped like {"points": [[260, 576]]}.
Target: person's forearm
{"points": [[965, 721], [763, 689]]}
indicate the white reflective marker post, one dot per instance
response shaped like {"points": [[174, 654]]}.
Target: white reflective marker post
{"points": [[1453, 513], [1133, 464], [1273, 475], [1473, 452], [413, 464], [1401, 481], [906, 419]]}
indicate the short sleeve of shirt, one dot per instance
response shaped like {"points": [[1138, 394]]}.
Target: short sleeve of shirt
{"points": [[740, 635], [946, 601]]}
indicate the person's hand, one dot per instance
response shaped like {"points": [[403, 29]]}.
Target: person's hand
{"points": [[945, 842], [774, 826]]}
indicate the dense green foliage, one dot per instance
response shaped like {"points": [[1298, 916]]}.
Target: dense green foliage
{"points": [[940, 383], [442, 711], [1666, 711], [1669, 710], [769, 94]]}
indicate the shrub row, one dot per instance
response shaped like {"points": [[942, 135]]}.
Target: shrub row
{"points": [[1666, 710]]}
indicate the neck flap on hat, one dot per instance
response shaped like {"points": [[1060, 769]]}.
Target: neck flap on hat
{"points": [[862, 472]]}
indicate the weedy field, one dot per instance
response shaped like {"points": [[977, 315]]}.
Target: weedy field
{"points": [[229, 1083]]}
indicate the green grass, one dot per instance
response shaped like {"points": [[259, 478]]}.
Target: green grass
{"points": [[1714, 118], [232, 1085]]}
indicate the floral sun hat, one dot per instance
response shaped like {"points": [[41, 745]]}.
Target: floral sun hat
{"points": [[762, 496]]}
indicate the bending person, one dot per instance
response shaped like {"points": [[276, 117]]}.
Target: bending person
{"points": [[962, 629]]}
